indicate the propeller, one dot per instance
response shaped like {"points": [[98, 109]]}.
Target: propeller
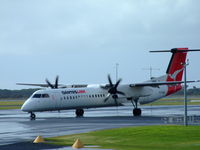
{"points": [[112, 90], [55, 86]]}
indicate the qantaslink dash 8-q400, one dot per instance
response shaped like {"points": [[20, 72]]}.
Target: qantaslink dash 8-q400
{"points": [[79, 97]]}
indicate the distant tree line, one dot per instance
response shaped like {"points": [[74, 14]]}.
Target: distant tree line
{"points": [[16, 94], [194, 91]]}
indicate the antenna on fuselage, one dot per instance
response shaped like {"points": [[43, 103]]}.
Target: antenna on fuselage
{"points": [[150, 69], [117, 71]]}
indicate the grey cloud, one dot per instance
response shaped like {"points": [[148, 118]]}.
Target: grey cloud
{"points": [[74, 25]]}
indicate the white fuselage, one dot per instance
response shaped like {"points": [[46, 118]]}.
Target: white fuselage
{"points": [[89, 97], [80, 96]]}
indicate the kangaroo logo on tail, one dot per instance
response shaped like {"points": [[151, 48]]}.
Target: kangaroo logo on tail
{"points": [[175, 74]]}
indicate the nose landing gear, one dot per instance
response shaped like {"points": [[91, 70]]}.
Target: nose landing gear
{"points": [[32, 116]]}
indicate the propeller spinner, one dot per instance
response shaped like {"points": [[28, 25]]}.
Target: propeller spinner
{"points": [[112, 90]]}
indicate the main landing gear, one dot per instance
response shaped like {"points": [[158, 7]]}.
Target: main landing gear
{"points": [[79, 112], [136, 111], [32, 116]]}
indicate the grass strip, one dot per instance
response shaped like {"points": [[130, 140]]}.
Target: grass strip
{"points": [[4, 105], [138, 138], [10, 107], [173, 101], [16, 102]]}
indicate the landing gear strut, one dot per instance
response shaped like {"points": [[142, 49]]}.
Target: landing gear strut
{"points": [[32, 116], [136, 111], [79, 112]]}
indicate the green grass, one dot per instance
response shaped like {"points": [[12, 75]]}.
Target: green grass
{"points": [[174, 101], [16, 102], [10, 107], [11, 104], [138, 138]]}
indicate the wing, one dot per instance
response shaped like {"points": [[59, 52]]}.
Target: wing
{"points": [[59, 85], [29, 84], [159, 83]]}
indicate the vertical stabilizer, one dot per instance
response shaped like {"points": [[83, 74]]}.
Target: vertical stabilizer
{"points": [[176, 68]]}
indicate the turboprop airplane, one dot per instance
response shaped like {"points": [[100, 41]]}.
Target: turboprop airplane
{"points": [[79, 97]]}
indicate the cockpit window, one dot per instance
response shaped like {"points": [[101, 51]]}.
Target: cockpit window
{"points": [[45, 95], [37, 96], [41, 96]]}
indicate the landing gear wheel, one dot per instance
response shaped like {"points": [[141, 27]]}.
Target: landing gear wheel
{"points": [[32, 116], [79, 112], [137, 112]]}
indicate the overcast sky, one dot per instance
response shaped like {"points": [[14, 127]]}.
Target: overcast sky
{"points": [[82, 40]]}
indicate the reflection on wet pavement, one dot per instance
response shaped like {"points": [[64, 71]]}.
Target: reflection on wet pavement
{"points": [[15, 125]]}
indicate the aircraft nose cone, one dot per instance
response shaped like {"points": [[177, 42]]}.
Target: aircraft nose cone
{"points": [[25, 107]]}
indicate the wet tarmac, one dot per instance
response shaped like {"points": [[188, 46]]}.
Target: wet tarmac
{"points": [[15, 125]]}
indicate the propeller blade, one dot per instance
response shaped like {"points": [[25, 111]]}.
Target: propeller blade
{"points": [[49, 84], [56, 82], [112, 90], [110, 81], [116, 101], [115, 97], [119, 92], [116, 85], [107, 97]]}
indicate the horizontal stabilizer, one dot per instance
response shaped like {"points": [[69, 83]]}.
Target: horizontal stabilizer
{"points": [[175, 50]]}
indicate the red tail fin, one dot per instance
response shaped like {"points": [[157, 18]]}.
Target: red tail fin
{"points": [[175, 69]]}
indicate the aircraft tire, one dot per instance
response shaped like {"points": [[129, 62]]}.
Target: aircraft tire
{"points": [[137, 112], [32, 116], [79, 112]]}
